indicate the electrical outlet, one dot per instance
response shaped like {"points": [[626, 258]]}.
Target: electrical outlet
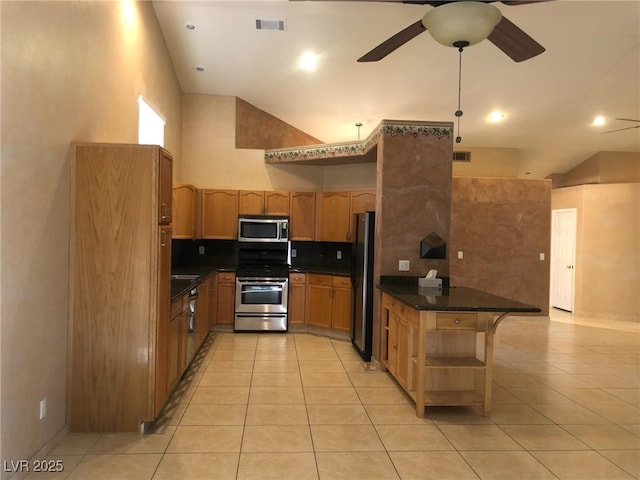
{"points": [[201, 249], [542, 257], [339, 254], [460, 255], [294, 252], [403, 265], [43, 408]]}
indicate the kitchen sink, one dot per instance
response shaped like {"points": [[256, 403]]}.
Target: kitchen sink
{"points": [[184, 276]]}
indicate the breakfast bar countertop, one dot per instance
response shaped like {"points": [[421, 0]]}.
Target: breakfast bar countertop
{"points": [[450, 298]]}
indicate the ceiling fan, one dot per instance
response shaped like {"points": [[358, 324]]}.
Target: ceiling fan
{"points": [[463, 23], [625, 128]]}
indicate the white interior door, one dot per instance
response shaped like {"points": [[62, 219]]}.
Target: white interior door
{"points": [[563, 255]]}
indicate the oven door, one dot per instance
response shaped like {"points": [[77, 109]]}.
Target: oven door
{"points": [[261, 295]]}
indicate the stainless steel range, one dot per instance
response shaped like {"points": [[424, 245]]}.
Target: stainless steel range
{"points": [[262, 286]]}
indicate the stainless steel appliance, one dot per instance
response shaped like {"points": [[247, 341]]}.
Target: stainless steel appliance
{"points": [[362, 282], [262, 287], [263, 228], [191, 325]]}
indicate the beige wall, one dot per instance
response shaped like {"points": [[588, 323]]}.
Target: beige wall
{"points": [[489, 162], [607, 267], [71, 71], [211, 159]]}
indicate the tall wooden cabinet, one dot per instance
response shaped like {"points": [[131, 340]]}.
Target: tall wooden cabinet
{"points": [[119, 286]]}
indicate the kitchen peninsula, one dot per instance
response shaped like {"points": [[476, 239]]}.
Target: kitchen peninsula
{"points": [[429, 341]]}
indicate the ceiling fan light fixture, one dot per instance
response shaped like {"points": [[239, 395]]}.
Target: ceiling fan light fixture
{"points": [[461, 22]]}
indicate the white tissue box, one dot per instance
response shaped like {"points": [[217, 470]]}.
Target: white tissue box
{"points": [[430, 282]]}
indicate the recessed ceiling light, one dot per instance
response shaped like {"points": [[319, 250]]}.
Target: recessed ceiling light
{"points": [[190, 26], [308, 61], [598, 121], [496, 116], [200, 68]]}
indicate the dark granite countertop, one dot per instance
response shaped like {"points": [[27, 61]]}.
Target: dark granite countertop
{"points": [[451, 298]]}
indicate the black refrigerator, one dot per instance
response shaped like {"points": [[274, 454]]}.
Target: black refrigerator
{"points": [[362, 282]]}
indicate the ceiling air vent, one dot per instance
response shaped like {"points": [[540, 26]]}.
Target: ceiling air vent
{"points": [[461, 156], [278, 25]]}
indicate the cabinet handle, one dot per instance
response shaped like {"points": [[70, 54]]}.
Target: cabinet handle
{"points": [[163, 238], [457, 321], [163, 211]]}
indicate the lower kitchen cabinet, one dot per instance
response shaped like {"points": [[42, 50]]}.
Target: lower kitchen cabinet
{"points": [[341, 303], [177, 341], [297, 298], [329, 300], [202, 311], [226, 298], [212, 293]]}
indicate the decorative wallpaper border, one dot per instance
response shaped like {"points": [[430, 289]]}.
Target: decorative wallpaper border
{"points": [[359, 148]]}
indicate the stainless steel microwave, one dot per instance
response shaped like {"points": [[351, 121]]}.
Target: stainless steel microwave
{"points": [[263, 228]]}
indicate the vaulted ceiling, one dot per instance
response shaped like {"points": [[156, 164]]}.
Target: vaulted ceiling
{"points": [[591, 67]]}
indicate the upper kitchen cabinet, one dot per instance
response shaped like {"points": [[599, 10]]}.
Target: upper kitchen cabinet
{"points": [[276, 203], [252, 202], [218, 214], [335, 213], [119, 286], [184, 211], [333, 217], [302, 216], [364, 201]]}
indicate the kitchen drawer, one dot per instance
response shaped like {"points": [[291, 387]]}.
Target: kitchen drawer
{"points": [[226, 277], [340, 281], [297, 278], [319, 279], [456, 321]]}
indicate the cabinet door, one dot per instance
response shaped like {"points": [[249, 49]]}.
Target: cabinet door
{"points": [[184, 211], [334, 222], [212, 292], [250, 202], [392, 344], [174, 349], [219, 214], [276, 203], [319, 303], [164, 317], [403, 342], [165, 175], [226, 298], [202, 313], [302, 216], [364, 201], [341, 304], [297, 298]]}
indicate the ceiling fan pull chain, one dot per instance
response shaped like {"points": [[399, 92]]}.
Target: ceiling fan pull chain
{"points": [[459, 112]]}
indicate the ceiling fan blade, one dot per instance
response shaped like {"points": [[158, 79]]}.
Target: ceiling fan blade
{"points": [[513, 41], [620, 129], [394, 42], [628, 120]]}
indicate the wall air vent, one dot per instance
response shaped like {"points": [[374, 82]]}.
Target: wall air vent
{"points": [[461, 156], [278, 25]]}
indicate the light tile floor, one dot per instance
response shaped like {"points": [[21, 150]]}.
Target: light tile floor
{"points": [[299, 406]]}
